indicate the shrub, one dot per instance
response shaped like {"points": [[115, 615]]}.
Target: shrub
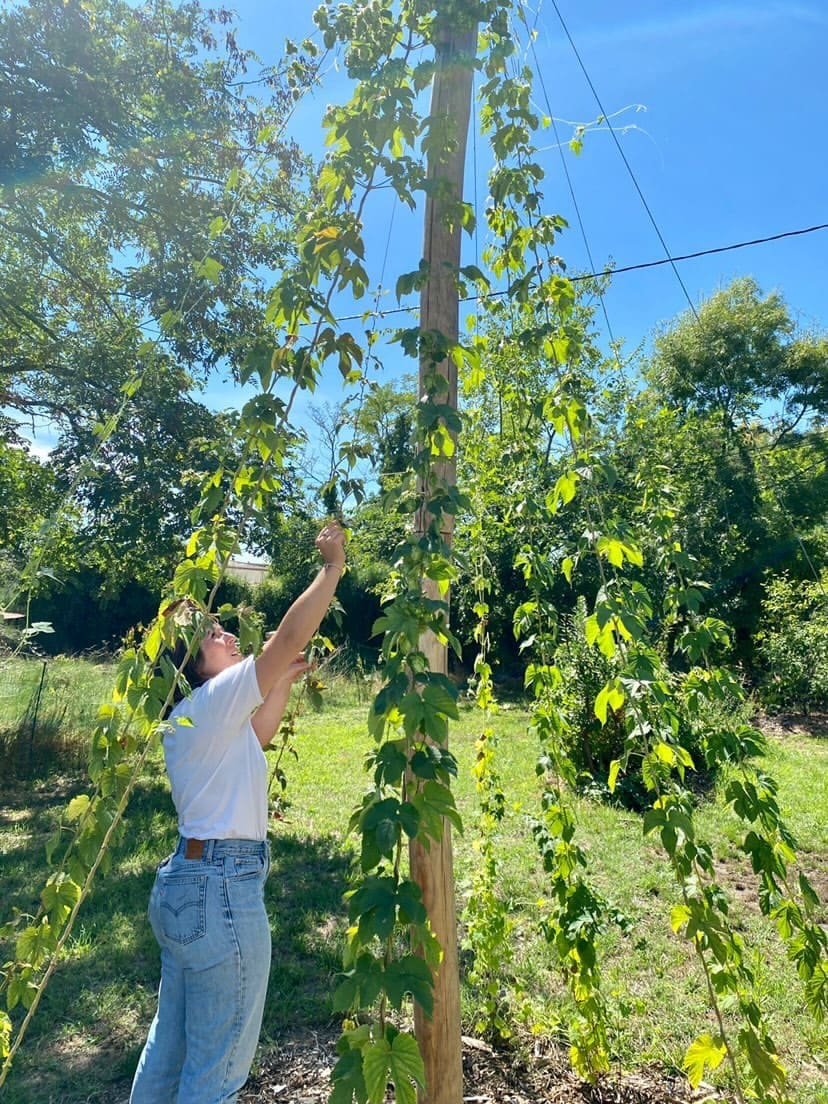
{"points": [[86, 614], [792, 645], [592, 747]]}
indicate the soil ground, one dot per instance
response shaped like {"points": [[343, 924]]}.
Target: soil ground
{"points": [[298, 1072]]}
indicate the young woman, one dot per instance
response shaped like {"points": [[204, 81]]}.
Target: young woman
{"points": [[207, 903]]}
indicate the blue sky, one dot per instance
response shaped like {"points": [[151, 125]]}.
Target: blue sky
{"points": [[720, 116]]}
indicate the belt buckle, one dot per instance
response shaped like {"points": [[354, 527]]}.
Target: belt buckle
{"points": [[193, 848]]}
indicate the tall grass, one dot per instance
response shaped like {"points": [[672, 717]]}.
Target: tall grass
{"points": [[47, 712]]}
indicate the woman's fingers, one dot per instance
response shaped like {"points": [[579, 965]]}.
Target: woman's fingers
{"points": [[299, 667]]}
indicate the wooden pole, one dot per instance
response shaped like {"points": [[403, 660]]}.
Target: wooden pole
{"points": [[433, 869]]}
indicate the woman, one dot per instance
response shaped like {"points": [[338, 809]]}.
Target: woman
{"points": [[207, 903]]}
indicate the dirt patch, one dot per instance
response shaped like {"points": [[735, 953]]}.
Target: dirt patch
{"points": [[298, 1072], [736, 876], [27, 800], [814, 725]]}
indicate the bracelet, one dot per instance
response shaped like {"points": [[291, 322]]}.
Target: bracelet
{"points": [[327, 564]]}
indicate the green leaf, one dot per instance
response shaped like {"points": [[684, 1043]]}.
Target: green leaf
{"points": [[209, 269], [705, 1051], [411, 975], [441, 696], [679, 915], [762, 1057], [374, 907], [153, 642], [34, 943], [168, 321], [360, 986], [59, 897], [613, 775], [390, 763], [217, 227], [5, 1035], [808, 892], [348, 1080], [77, 807], [22, 990], [564, 491], [816, 992], [398, 1062], [435, 803], [609, 697], [376, 1067]]}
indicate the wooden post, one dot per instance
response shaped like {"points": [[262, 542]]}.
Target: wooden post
{"points": [[433, 870]]}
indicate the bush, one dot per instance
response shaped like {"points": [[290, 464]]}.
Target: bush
{"points": [[592, 747], [48, 710], [792, 645]]}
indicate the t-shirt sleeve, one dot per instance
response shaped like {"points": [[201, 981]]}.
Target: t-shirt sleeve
{"points": [[227, 700]]}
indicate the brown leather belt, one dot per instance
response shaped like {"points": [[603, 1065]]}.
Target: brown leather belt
{"points": [[193, 848]]}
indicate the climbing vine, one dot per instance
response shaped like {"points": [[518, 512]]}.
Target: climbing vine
{"points": [[488, 926], [645, 691]]}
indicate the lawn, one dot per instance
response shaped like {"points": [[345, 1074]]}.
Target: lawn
{"points": [[87, 1035]]}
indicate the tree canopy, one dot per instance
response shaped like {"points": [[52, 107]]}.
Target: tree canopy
{"points": [[143, 188]]}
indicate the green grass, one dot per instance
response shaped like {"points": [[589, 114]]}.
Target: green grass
{"points": [[47, 708], [87, 1035]]}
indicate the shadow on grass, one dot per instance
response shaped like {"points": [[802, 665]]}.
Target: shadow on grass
{"points": [[787, 724], [86, 1037], [307, 918]]}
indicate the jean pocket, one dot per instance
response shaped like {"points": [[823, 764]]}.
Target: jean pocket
{"points": [[247, 866], [183, 908]]}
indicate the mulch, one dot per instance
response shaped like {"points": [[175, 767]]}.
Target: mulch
{"points": [[298, 1072]]}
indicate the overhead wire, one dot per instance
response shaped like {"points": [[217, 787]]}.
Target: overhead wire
{"points": [[579, 277], [532, 32], [623, 157], [671, 260]]}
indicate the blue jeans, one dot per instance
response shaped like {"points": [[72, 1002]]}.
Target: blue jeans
{"points": [[209, 918]]}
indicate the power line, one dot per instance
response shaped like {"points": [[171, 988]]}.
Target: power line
{"points": [[668, 259], [705, 252], [623, 156], [568, 176], [625, 268]]}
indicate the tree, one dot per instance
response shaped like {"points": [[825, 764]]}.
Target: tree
{"points": [[741, 352], [136, 488], [129, 198], [514, 455], [691, 465], [146, 195], [728, 430], [27, 495], [386, 418]]}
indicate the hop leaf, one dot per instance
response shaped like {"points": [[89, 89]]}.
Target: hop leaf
{"points": [[397, 1060], [5, 1035], [705, 1051]]}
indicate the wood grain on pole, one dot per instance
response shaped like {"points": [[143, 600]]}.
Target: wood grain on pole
{"points": [[433, 870]]}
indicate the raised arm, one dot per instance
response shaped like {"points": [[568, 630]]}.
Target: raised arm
{"points": [[268, 716], [305, 615]]}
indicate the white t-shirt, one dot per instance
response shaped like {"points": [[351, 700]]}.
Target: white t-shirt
{"points": [[217, 769]]}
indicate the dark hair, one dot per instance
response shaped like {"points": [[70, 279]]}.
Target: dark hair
{"points": [[190, 670]]}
